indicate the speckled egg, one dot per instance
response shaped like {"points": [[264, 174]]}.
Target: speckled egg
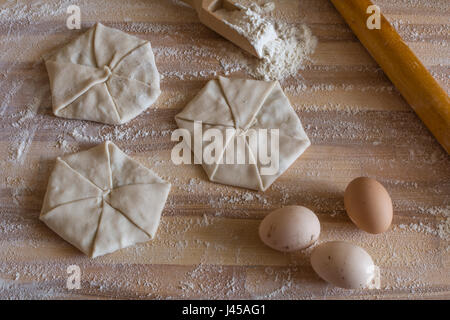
{"points": [[290, 228], [345, 265]]}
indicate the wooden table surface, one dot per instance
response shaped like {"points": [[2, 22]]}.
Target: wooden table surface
{"points": [[207, 245]]}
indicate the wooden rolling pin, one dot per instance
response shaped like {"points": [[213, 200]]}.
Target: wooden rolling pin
{"points": [[404, 69]]}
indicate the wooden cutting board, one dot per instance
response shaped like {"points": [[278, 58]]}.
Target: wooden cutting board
{"points": [[207, 244]]}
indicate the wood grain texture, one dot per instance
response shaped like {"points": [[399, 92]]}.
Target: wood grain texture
{"points": [[207, 244]]}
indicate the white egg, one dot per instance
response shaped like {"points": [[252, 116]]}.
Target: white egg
{"points": [[290, 228], [345, 265]]}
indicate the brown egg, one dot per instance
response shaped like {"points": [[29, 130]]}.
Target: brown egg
{"points": [[368, 205], [290, 228]]}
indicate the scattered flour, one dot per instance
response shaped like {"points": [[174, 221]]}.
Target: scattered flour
{"points": [[39, 278], [259, 31], [282, 49]]}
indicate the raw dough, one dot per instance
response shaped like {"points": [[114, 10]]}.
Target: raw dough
{"points": [[104, 75], [243, 104], [100, 200]]}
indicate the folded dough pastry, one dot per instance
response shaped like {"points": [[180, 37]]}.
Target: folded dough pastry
{"points": [[241, 104], [104, 75], [100, 200]]}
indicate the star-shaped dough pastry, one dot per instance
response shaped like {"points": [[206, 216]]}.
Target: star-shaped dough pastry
{"points": [[100, 200], [240, 105], [104, 75]]}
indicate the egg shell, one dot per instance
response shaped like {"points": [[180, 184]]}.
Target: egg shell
{"points": [[290, 228], [368, 205], [345, 265]]}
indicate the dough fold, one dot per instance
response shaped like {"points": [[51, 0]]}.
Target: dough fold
{"points": [[238, 105], [100, 200], [105, 75]]}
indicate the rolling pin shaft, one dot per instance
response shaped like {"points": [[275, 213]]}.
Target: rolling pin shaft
{"points": [[404, 69]]}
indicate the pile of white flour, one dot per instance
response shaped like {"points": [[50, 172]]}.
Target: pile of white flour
{"points": [[282, 49]]}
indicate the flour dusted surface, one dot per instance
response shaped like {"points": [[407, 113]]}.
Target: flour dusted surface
{"points": [[207, 245], [282, 49]]}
